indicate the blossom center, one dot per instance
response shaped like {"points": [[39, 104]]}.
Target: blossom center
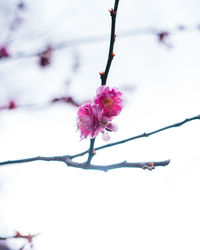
{"points": [[108, 101]]}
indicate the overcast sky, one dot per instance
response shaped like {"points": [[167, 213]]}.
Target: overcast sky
{"points": [[122, 209]]}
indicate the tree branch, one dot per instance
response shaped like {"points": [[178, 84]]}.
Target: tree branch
{"points": [[37, 158], [69, 100], [68, 158], [78, 41], [141, 135], [106, 168], [69, 162], [113, 13]]}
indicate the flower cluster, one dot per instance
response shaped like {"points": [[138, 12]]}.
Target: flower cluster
{"points": [[97, 116]]}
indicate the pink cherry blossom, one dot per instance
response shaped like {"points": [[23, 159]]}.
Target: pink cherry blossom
{"points": [[96, 117], [91, 121], [109, 100], [87, 121]]}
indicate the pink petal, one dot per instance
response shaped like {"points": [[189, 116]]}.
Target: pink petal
{"points": [[105, 136]]}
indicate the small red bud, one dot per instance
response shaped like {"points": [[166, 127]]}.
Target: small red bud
{"points": [[18, 234], [151, 165], [101, 73], [111, 11], [113, 54]]}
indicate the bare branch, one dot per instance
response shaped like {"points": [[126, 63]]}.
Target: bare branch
{"points": [[69, 100], [37, 158], [113, 13], [105, 168], [78, 41], [69, 162], [141, 135], [68, 158]]}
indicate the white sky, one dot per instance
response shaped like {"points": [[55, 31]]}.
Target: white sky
{"points": [[122, 209]]}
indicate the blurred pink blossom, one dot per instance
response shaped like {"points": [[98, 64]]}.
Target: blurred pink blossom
{"points": [[12, 105], [4, 52]]}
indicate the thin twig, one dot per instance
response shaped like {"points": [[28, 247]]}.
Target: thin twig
{"points": [[113, 13], [68, 158], [78, 41], [69, 100], [64, 157], [37, 158], [141, 135]]}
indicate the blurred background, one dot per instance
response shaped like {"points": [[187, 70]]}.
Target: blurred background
{"points": [[51, 53]]}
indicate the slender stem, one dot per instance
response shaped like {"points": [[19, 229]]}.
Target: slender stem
{"points": [[141, 135], [150, 133], [91, 151], [104, 75], [113, 13]]}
